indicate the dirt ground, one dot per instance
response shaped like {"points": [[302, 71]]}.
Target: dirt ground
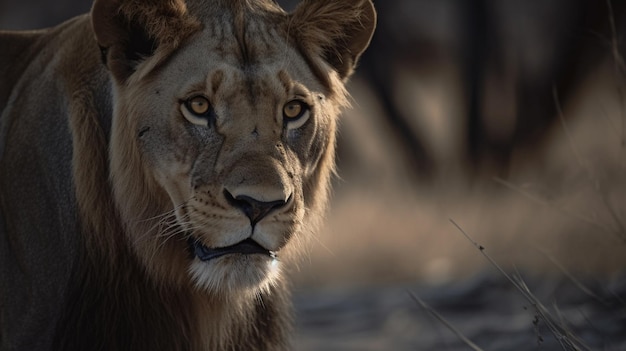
{"points": [[485, 309]]}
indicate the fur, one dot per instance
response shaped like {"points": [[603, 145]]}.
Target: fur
{"points": [[103, 181]]}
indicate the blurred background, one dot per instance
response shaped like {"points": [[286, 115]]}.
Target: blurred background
{"points": [[502, 119]]}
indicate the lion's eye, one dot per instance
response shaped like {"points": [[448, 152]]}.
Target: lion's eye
{"points": [[197, 110], [198, 105], [295, 113]]}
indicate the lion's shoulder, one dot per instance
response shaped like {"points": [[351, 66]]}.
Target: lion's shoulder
{"points": [[31, 58], [39, 75], [13, 46]]}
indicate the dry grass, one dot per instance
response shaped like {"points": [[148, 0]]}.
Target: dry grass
{"points": [[566, 200], [554, 321], [561, 212]]}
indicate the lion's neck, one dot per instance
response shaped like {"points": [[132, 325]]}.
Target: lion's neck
{"points": [[121, 309]]}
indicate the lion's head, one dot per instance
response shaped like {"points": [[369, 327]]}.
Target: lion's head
{"points": [[223, 134]]}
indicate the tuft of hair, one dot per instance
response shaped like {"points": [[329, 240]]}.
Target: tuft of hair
{"points": [[166, 22], [338, 31]]}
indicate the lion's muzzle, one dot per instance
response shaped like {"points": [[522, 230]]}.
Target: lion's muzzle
{"points": [[254, 209]]}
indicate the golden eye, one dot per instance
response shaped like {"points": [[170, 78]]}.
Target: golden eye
{"points": [[295, 114], [198, 105], [294, 109], [197, 110]]}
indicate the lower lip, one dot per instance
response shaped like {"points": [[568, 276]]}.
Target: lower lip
{"points": [[247, 247]]}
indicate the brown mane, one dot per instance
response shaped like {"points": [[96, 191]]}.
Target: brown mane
{"points": [[113, 298]]}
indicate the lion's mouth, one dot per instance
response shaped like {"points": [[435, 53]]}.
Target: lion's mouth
{"points": [[246, 247]]}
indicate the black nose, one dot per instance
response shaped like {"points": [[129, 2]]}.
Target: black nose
{"points": [[254, 209]]}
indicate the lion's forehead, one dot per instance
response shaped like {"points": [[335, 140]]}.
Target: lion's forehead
{"points": [[262, 56], [254, 41]]}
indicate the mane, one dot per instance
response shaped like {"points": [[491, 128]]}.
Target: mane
{"points": [[113, 300]]}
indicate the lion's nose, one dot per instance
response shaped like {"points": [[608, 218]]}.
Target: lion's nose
{"points": [[254, 209]]}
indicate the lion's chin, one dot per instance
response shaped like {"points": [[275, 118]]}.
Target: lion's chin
{"points": [[233, 273]]}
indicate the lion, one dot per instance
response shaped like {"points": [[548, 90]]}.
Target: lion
{"points": [[162, 163]]}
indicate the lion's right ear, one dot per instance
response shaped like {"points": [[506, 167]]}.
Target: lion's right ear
{"points": [[130, 31]]}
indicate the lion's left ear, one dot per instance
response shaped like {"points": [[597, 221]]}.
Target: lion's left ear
{"points": [[337, 30], [129, 31]]}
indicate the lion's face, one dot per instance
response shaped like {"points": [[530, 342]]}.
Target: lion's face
{"points": [[221, 151], [233, 145]]}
